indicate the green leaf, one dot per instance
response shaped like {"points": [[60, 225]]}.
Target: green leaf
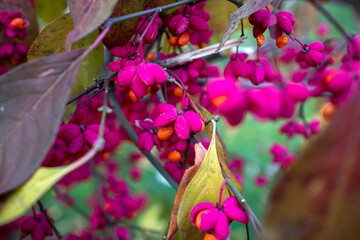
{"points": [[51, 40], [87, 16], [220, 147], [16, 203], [32, 100], [204, 187], [49, 10], [244, 11]]}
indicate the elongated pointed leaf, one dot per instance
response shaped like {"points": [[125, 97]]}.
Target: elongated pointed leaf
{"points": [[319, 198], [17, 202], [204, 187], [32, 100], [51, 41], [200, 153], [220, 148], [244, 11]]}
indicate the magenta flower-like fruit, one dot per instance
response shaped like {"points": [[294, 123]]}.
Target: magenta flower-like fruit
{"points": [[98, 218], [311, 54], [187, 17], [176, 170], [230, 101], [38, 227], [151, 34], [148, 137], [297, 92], [15, 51], [286, 21], [77, 136], [140, 78], [353, 48], [207, 217], [260, 71], [261, 20], [237, 67], [337, 82], [282, 156], [17, 28], [184, 121], [261, 180]]}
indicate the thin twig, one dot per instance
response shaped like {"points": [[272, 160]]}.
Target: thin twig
{"points": [[238, 3], [111, 21], [244, 203], [192, 55], [239, 197], [97, 85], [124, 122], [325, 12], [43, 209]]}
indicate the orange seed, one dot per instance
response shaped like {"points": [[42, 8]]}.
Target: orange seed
{"points": [[133, 97], [281, 41], [17, 22], [183, 39], [260, 39], [165, 133], [209, 236], [174, 156], [173, 41], [328, 111], [198, 219]]}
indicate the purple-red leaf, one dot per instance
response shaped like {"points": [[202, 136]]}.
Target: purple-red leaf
{"points": [[87, 16], [32, 101]]}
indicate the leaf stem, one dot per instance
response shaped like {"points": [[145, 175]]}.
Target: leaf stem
{"points": [[43, 209], [111, 21], [222, 189], [155, 162], [104, 109], [256, 230], [238, 3], [325, 12], [240, 198]]}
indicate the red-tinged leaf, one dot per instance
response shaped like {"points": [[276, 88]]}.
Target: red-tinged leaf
{"points": [[200, 153], [319, 197], [32, 101], [234, 20], [87, 16], [220, 147], [51, 41]]}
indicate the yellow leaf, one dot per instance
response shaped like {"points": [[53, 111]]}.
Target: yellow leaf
{"points": [[15, 203], [204, 187], [219, 145]]}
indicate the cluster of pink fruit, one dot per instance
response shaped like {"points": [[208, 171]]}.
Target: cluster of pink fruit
{"points": [[170, 122], [15, 28]]}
